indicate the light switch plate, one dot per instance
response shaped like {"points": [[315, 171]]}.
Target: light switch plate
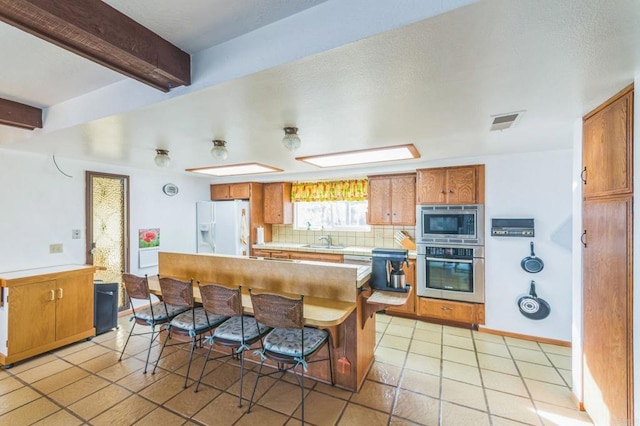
{"points": [[75, 234]]}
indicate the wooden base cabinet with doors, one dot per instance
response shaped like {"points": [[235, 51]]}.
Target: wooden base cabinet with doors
{"points": [[451, 185], [392, 200], [44, 309], [607, 256]]}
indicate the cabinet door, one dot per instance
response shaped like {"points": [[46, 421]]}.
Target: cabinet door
{"points": [[607, 155], [220, 192], [277, 203], [379, 201], [410, 306], [74, 305], [468, 313], [239, 191], [461, 185], [403, 200], [431, 186], [607, 309], [31, 313]]}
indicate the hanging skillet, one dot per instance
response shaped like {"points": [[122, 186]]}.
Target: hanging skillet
{"points": [[532, 264], [532, 307]]}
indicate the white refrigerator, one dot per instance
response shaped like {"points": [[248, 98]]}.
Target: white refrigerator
{"points": [[223, 227]]}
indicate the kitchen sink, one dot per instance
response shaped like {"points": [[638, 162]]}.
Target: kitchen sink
{"points": [[323, 246]]}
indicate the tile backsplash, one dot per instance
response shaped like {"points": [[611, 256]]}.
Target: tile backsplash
{"points": [[379, 236]]}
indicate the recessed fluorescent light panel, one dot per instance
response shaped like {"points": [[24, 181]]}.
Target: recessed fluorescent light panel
{"points": [[236, 169], [365, 156]]}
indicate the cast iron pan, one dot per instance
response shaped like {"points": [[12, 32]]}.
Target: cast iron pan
{"points": [[532, 307], [532, 264]]}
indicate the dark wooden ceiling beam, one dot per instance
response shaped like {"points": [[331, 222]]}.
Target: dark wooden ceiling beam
{"points": [[100, 33], [20, 115]]}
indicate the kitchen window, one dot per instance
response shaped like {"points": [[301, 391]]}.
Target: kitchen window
{"points": [[331, 215]]}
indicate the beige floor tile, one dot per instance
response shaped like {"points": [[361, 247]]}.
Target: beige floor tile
{"points": [[75, 347], [137, 381], [553, 415], [375, 395], [539, 372], [59, 380], [395, 342], [333, 391], [358, 415], [456, 331], [397, 421], [45, 370], [404, 322], [461, 372], [223, 376], [461, 356], [321, 409], [422, 325], [400, 331], [125, 412], [381, 327], [521, 343], [262, 415], [121, 369], [89, 353], [423, 383], [98, 402], [427, 336], [160, 416], [455, 415], [32, 363], [512, 407], [59, 418], [29, 413], [417, 408], [556, 349], [9, 384], [17, 398], [385, 373], [379, 337], [501, 421], [424, 364], [488, 337], [433, 350], [492, 348], [223, 411], [528, 355], [390, 356], [496, 363], [264, 384], [77, 390], [173, 361], [560, 361], [164, 389], [101, 362], [464, 394], [567, 376], [382, 318], [282, 397], [552, 394], [188, 402], [503, 382], [457, 341]]}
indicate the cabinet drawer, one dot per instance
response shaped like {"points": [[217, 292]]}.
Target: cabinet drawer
{"points": [[317, 257], [470, 313]]}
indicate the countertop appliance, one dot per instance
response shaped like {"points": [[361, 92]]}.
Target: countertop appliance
{"points": [[450, 272], [223, 227], [450, 224], [386, 269]]}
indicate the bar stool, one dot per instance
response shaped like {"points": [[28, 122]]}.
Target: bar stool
{"points": [[152, 313], [194, 322], [238, 332], [290, 342]]}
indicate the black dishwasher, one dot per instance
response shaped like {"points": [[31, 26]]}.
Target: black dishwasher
{"points": [[105, 309]]}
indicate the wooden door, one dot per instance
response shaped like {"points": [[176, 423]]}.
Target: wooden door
{"points": [[74, 305], [403, 200], [607, 151], [461, 185], [431, 186], [379, 201], [607, 310], [31, 314]]}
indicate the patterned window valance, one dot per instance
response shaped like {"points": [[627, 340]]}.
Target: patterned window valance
{"points": [[340, 190]]}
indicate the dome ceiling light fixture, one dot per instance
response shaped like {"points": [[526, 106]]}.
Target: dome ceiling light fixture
{"points": [[219, 150], [162, 158], [291, 140]]}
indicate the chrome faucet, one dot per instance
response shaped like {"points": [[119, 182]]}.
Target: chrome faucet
{"points": [[326, 238]]}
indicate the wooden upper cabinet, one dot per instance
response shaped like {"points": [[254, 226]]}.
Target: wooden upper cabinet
{"points": [[277, 203], [392, 199], [451, 185], [231, 191], [607, 147]]}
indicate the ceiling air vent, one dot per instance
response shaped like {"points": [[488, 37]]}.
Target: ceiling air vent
{"points": [[504, 121]]}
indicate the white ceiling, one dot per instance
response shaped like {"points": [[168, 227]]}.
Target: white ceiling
{"points": [[349, 76]]}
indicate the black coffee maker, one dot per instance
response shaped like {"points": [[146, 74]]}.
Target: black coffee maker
{"points": [[386, 269]]}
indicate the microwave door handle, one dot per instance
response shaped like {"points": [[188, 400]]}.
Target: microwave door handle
{"points": [[444, 259]]}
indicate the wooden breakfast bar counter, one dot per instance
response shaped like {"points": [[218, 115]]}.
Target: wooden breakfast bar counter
{"points": [[335, 298]]}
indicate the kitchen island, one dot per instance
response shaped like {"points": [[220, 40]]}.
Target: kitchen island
{"points": [[335, 299]]}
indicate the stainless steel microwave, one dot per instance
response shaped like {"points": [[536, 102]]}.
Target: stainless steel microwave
{"points": [[450, 224]]}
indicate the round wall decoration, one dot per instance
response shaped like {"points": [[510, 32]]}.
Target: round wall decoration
{"points": [[170, 189]]}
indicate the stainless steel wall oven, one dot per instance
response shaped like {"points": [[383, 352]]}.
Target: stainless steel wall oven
{"points": [[451, 272]]}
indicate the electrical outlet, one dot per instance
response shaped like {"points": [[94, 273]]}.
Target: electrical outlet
{"points": [[55, 248], [75, 234]]}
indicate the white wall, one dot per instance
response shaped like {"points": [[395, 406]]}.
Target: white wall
{"points": [[40, 206]]}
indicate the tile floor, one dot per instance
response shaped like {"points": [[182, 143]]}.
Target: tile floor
{"points": [[424, 374]]}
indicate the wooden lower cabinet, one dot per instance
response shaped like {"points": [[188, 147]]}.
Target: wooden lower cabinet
{"points": [[468, 313], [45, 311]]}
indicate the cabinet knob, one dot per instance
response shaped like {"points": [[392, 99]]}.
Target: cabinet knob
{"points": [[442, 192], [583, 239], [60, 293], [52, 296], [450, 191], [583, 175], [446, 308]]}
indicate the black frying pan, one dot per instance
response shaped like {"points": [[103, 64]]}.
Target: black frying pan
{"points": [[532, 264], [532, 307]]}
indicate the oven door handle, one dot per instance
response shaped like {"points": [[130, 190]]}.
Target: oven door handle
{"points": [[445, 259]]}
